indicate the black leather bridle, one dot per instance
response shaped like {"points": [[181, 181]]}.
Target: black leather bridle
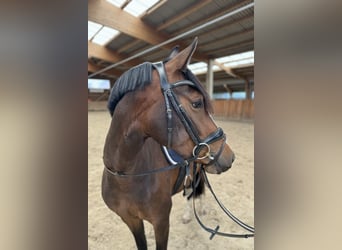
{"points": [[172, 104]]}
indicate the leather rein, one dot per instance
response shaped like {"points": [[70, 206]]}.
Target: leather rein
{"points": [[215, 231], [172, 104]]}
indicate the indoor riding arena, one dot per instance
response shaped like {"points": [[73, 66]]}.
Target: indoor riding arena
{"points": [[124, 34]]}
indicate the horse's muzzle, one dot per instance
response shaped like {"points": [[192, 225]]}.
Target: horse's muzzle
{"points": [[222, 164]]}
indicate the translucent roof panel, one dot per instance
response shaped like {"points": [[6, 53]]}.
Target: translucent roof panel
{"points": [[138, 7], [93, 28], [240, 62], [234, 95], [201, 67], [237, 59], [105, 35], [198, 68], [117, 3], [231, 61], [98, 84]]}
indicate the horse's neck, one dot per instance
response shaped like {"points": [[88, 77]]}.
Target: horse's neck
{"points": [[123, 143], [127, 150]]}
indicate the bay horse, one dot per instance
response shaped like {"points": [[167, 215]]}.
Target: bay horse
{"points": [[154, 105]]}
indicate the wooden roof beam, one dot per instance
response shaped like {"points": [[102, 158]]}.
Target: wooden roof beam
{"points": [[102, 12], [226, 38], [128, 46], [213, 16], [108, 55], [226, 87], [102, 53], [94, 68], [232, 46], [225, 26], [228, 70], [186, 12]]}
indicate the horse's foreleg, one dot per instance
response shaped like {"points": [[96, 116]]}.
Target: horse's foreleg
{"points": [[186, 218], [137, 228], [188, 211], [161, 231]]}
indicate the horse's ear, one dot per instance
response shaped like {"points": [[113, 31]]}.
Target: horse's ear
{"points": [[173, 53], [181, 60]]}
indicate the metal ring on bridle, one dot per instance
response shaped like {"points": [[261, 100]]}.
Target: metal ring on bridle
{"points": [[199, 145]]}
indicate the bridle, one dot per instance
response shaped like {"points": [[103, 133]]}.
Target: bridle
{"points": [[172, 104]]}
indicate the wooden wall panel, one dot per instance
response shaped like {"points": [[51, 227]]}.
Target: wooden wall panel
{"points": [[236, 109]]}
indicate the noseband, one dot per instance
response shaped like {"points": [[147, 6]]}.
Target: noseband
{"points": [[171, 101]]}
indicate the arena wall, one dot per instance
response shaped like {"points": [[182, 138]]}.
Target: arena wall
{"points": [[235, 109], [232, 109]]}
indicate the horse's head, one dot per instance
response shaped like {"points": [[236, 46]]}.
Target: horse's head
{"points": [[180, 115]]}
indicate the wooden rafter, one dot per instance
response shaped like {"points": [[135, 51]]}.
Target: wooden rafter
{"points": [[102, 12], [228, 70], [181, 15], [229, 90], [128, 46], [102, 52], [228, 37], [213, 16], [108, 55], [186, 12], [224, 26], [232, 46], [93, 68]]}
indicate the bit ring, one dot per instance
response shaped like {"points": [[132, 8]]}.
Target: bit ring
{"points": [[206, 155]]}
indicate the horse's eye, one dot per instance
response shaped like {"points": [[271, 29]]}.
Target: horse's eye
{"points": [[197, 104]]}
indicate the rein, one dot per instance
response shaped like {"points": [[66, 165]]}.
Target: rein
{"points": [[226, 211], [185, 163]]}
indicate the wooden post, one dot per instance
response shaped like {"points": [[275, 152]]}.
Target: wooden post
{"points": [[210, 78], [247, 89]]}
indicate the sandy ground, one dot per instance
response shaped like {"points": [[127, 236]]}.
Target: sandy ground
{"points": [[235, 188]]}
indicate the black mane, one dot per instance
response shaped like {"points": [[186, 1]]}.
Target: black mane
{"points": [[140, 76], [134, 78]]}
